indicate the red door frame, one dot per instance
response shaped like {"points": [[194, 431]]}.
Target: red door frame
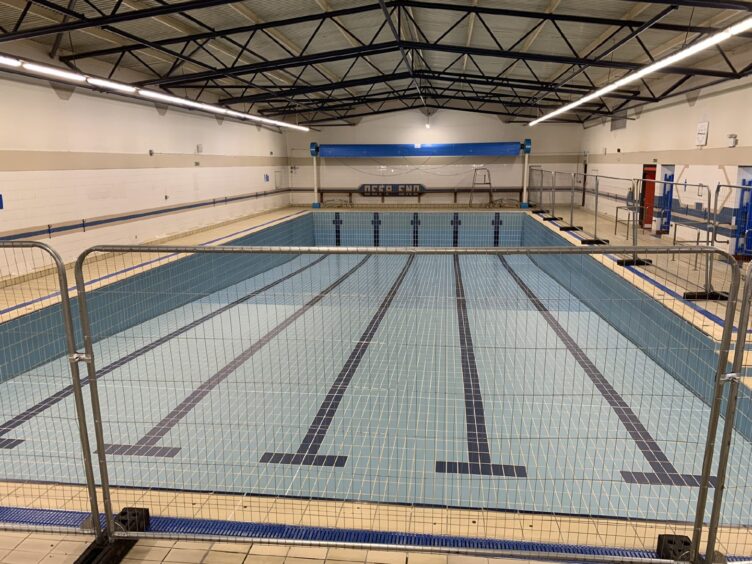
{"points": [[647, 195]]}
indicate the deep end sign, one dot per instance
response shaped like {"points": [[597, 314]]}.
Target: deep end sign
{"points": [[391, 189]]}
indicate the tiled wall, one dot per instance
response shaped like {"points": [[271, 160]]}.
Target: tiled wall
{"points": [[677, 346], [37, 338], [434, 229]]}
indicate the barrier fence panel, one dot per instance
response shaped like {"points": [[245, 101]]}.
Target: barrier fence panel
{"points": [[728, 530], [45, 460], [527, 398], [566, 184]]}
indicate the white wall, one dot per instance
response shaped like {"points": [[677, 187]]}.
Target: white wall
{"points": [[665, 134], [554, 146], [68, 155]]}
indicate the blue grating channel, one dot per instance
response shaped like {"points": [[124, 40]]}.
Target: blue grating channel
{"points": [[182, 526], [43, 517]]}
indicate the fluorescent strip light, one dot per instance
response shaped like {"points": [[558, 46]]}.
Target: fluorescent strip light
{"points": [[711, 41], [109, 85], [251, 117], [9, 62], [214, 109], [170, 99], [128, 89], [53, 72]]}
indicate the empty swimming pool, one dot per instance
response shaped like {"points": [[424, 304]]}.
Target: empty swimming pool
{"points": [[511, 381]]}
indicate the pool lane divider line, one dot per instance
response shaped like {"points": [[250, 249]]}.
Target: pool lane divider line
{"points": [[63, 393], [149, 262], [337, 221], [308, 451], [455, 223], [479, 452], [497, 223], [664, 473], [147, 445]]}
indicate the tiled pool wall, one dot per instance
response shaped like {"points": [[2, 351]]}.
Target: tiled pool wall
{"points": [[406, 229], [681, 349], [39, 337]]}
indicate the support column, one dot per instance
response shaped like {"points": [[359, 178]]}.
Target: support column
{"points": [[526, 147], [315, 153]]}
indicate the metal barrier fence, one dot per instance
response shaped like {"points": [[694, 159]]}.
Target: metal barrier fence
{"points": [[514, 395], [440, 391], [733, 493], [45, 460]]}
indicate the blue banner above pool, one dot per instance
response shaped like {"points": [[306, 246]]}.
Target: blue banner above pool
{"points": [[496, 149]]}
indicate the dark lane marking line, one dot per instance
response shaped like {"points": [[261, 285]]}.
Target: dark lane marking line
{"points": [[60, 395], [496, 225], [664, 472], [337, 229], [146, 445], [376, 222], [308, 451], [479, 453], [455, 223]]}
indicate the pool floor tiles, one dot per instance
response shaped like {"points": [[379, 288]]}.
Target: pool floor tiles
{"points": [[429, 381]]}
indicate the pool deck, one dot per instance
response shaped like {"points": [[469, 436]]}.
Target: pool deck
{"points": [[511, 526]]}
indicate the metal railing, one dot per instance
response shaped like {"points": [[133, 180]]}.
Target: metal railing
{"points": [[334, 387], [45, 458]]}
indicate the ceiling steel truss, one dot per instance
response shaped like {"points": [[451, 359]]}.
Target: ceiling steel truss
{"points": [[362, 58]]}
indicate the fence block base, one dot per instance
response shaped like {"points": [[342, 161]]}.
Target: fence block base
{"points": [[673, 547]]}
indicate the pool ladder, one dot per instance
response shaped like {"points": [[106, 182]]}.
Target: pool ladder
{"points": [[481, 179]]}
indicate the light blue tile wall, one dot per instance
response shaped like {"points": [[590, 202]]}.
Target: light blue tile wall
{"points": [[37, 338], [676, 345]]}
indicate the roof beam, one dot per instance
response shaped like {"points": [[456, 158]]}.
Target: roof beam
{"points": [[557, 16], [290, 62], [717, 4], [380, 48], [84, 23], [428, 75]]}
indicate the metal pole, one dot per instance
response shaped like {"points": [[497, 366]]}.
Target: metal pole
{"points": [[83, 312], [525, 180], [595, 218], [553, 194], [315, 183], [73, 358], [540, 190], [635, 216], [728, 425], [715, 411], [708, 267], [571, 203]]}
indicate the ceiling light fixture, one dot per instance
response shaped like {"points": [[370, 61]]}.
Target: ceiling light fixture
{"points": [[109, 85], [741, 27], [104, 84], [9, 62], [53, 72]]}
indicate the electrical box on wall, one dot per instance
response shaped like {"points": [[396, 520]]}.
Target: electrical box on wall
{"points": [[701, 137]]}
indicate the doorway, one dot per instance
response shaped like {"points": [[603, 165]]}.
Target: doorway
{"points": [[647, 195]]}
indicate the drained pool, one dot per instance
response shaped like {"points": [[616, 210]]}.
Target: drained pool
{"points": [[522, 382]]}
